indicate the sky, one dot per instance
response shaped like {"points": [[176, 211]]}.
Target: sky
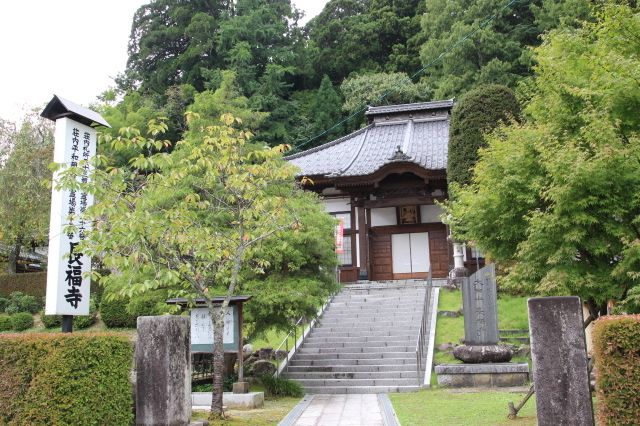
{"points": [[71, 48]]}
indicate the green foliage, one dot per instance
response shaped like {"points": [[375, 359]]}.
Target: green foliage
{"points": [[480, 111], [114, 314], [24, 160], [616, 341], [279, 386], [368, 89], [33, 283], [556, 196], [50, 321], [325, 112], [60, 378], [496, 53], [80, 322], [21, 321], [3, 303], [19, 302], [5, 322]]}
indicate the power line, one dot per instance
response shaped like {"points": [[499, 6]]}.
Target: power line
{"points": [[414, 75]]}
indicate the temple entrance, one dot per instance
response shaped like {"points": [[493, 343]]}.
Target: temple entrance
{"points": [[410, 255]]}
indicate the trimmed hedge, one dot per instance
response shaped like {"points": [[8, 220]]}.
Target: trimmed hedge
{"points": [[616, 348], [5, 322], [65, 379], [124, 313], [32, 283], [478, 112], [21, 321]]}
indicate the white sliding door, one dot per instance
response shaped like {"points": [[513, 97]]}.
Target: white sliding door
{"points": [[410, 253]]}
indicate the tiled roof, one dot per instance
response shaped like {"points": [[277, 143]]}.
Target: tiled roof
{"points": [[419, 106], [421, 141]]}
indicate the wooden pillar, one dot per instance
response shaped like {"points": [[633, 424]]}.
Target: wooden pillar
{"points": [[364, 247], [240, 346], [353, 236]]}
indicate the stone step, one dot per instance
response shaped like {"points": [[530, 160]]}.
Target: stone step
{"points": [[364, 350], [353, 324], [354, 355], [370, 318], [399, 303], [362, 339], [406, 329], [409, 363], [387, 368], [363, 333], [370, 375], [309, 343], [356, 382], [359, 389]]}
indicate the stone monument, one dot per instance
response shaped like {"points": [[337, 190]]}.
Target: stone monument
{"points": [[560, 366], [163, 371], [486, 363]]}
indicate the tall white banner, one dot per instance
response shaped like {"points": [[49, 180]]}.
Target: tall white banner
{"points": [[67, 289]]}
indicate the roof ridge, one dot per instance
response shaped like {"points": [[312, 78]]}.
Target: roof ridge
{"points": [[328, 144]]}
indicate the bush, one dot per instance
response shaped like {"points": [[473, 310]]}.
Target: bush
{"points": [[5, 322], [123, 313], [279, 386], [114, 314], [81, 322], [616, 343], [51, 321], [33, 284], [3, 304], [65, 379], [20, 302], [21, 321], [479, 111]]}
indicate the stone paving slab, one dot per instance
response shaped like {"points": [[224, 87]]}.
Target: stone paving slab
{"points": [[342, 410]]}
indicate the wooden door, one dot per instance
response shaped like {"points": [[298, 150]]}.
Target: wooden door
{"points": [[410, 255]]}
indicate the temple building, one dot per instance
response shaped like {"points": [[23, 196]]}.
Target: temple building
{"points": [[382, 182]]}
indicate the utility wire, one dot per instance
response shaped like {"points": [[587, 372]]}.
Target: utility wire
{"points": [[414, 75]]}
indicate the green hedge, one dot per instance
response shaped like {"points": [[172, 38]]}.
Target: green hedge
{"points": [[5, 322], [65, 379], [124, 313], [32, 283], [21, 321], [616, 348]]}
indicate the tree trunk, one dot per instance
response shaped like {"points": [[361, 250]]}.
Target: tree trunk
{"points": [[217, 317], [14, 255]]}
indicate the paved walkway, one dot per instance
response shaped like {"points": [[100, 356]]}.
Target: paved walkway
{"points": [[342, 410]]}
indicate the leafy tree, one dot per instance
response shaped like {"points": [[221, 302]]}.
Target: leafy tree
{"points": [[497, 50], [325, 112], [556, 197], [209, 218], [480, 111], [24, 206], [381, 89]]}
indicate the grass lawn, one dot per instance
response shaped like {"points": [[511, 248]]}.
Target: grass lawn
{"points": [[512, 314], [271, 413], [481, 407]]}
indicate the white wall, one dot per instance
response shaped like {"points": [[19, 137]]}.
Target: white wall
{"points": [[430, 213], [384, 217], [337, 205]]}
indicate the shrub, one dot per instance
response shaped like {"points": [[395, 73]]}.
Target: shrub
{"points": [[51, 321], [33, 284], [65, 379], [279, 386], [21, 321], [3, 304], [5, 322], [81, 322], [479, 111], [114, 314], [616, 343], [20, 302]]}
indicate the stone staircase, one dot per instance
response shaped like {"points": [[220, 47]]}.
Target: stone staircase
{"points": [[365, 342]]}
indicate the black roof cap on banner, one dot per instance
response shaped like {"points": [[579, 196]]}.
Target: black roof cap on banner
{"points": [[59, 108]]}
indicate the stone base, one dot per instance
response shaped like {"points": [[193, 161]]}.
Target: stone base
{"points": [[483, 375], [241, 387], [479, 354], [229, 400]]}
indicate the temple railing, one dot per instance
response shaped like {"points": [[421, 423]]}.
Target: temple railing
{"points": [[421, 353]]}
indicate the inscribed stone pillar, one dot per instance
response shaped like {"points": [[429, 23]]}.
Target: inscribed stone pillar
{"points": [[163, 364], [479, 301], [560, 371]]}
